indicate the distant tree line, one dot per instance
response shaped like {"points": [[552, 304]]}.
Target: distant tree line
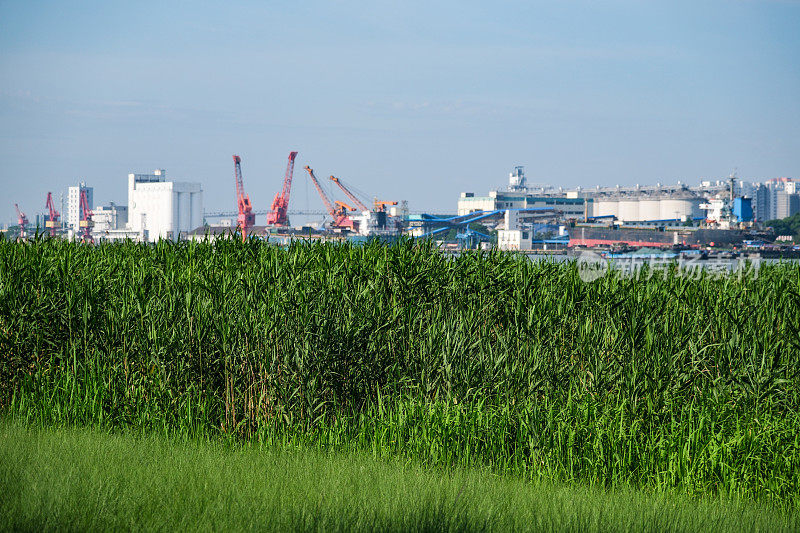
{"points": [[786, 226]]}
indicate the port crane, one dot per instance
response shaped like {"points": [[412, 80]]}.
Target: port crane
{"points": [[22, 220], [246, 219], [278, 215], [379, 205], [86, 222], [53, 222], [339, 213], [349, 194]]}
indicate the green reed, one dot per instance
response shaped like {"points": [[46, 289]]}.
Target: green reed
{"points": [[484, 359]]}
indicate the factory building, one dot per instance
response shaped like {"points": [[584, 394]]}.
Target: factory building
{"points": [[517, 233], [574, 207], [110, 224], [626, 204], [161, 209], [74, 204], [109, 218], [513, 235], [519, 195]]}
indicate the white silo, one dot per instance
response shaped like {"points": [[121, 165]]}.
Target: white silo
{"points": [[649, 208], [681, 208], [605, 207], [629, 210]]}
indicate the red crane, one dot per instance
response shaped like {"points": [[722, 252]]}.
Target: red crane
{"points": [[349, 194], [86, 218], [339, 214], [280, 205], [246, 218], [22, 220], [52, 222]]}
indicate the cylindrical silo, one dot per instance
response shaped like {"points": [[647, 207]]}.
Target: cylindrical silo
{"points": [[629, 210], [672, 208], [197, 209], [185, 203], [605, 207], [649, 208]]}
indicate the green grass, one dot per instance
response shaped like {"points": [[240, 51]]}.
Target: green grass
{"points": [[88, 480], [481, 361]]}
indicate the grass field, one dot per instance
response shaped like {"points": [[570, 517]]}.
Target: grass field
{"points": [[84, 480], [488, 361]]}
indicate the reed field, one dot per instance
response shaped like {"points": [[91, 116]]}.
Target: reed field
{"points": [[483, 360]]}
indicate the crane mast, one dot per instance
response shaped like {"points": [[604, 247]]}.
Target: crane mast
{"points": [[280, 205], [54, 216], [246, 219], [349, 194], [86, 218]]}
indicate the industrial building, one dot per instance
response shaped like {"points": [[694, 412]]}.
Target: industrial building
{"points": [[657, 204], [109, 218], [520, 234], [519, 195], [625, 204], [161, 209]]}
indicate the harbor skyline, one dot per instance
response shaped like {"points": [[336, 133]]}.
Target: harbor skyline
{"points": [[415, 104]]}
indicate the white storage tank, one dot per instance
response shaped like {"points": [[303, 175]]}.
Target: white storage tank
{"points": [[604, 207], [184, 212], [629, 210], [197, 209], [681, 208], [649, 209]]}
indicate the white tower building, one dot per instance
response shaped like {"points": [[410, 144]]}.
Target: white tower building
{"points": [[74, 204]]}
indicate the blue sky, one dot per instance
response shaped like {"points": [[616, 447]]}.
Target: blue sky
{"points": [[405, 100]]}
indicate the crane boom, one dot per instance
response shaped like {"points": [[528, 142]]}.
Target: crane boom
{"points": [[322, 194], [339, 213], [278, 214], [53, 222], [349, 194], [246, 219]]}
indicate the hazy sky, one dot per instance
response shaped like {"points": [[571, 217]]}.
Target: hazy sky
{"points": [[406, 100]]}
